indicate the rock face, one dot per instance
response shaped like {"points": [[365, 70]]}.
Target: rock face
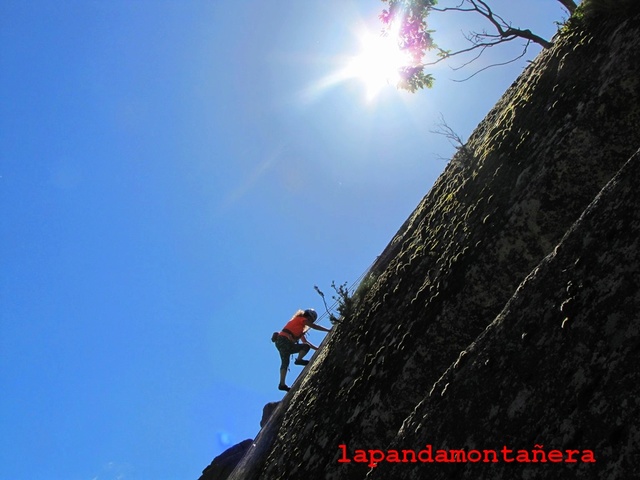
{"points": [[504, 313], [558, 367]]}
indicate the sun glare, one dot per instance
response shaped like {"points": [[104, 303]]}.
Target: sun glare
{"points": [[378, 62]]}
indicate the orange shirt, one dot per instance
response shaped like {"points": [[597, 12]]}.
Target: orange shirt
{"points": [[296, 326]]}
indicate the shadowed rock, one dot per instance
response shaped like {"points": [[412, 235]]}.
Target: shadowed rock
{"points": [[557, 368], [222, 465]]}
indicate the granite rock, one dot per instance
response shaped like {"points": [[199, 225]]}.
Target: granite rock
{"points": [[498, 314]]}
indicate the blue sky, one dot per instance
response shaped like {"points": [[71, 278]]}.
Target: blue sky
{"points": [[175, 177]]}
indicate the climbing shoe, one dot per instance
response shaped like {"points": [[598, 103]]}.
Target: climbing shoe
{"points": [[301, 362], [283, 387]]}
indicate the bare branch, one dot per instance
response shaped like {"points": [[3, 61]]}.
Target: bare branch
{"points": [[529, 35], [472, 60], [505, 30], [463, 155], [447, 55], [442, 128], [416, 40], [524, 51], [477, 45], [570, 5]]}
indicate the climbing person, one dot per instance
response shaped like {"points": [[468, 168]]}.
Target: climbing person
{"points": [[287, 341]]}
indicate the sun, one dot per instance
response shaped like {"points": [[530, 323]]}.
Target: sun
{"points": [[378, 62]]}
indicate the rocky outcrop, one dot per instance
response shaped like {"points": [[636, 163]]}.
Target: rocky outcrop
{"points": [[267, 411], [222, 465], [545, 325]]}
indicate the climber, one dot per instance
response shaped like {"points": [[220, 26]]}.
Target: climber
{"points": [[287, 341]]}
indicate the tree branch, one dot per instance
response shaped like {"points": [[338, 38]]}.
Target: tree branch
{"points": [[415, 37], [505, 31], [442, 128], [524, 52], [529, 35], [570, 5]]}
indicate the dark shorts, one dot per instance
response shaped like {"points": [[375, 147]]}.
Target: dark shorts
{"points": [[287, 348]]}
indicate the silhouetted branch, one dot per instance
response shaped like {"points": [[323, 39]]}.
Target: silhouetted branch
{"points": [[409, 17], [524, 51], [505, 32], [442, 128], [570, 5]]}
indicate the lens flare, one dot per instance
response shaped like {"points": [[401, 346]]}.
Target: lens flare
{"points": [[379, 61], [376, 64]]}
